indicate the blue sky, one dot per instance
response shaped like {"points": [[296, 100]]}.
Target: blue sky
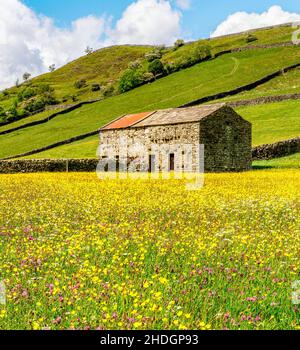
{"points": [[199, 21]]}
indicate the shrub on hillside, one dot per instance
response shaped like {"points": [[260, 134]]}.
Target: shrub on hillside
{"points": [[156, 67], [130, 79], [250, 38], [95, 87], [148, 77], [189, 58], [34, 105], [201, 53], [38, 102], [30, 91], [134, 65], [2, 113], [44, 88], [26, 94], [108, 91], [79, 84], [153, 55], [12, 113]]}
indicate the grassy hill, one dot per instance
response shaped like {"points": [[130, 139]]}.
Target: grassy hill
{"points": [[105, 66], [224, 73]]}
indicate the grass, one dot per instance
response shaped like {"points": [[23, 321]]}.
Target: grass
{"points": [[289, 83], [273, 122], [264, 36], [224, 73], [267, 122], [290, 162], [85, 148], [80, 253], [33, 118], [103, 66]]}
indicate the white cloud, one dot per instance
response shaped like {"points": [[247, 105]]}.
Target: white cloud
{"points": [[183, 4], [147, 22], [242, 21], [30, 42]]}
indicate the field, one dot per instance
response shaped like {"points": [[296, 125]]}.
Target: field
{"points": [[267, 121], [31, 119], [289, 83], [80, 253], [273, 122]]}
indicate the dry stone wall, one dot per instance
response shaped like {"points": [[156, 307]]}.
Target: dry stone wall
{"points": [[276, 150], [263, 100], [47, 165]]}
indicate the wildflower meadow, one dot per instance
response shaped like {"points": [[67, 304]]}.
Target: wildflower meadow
{"points": [[80, 253]]}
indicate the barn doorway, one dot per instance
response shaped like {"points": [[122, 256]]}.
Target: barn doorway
{"points": [[152, 163], [172, 162], [117, 163]]}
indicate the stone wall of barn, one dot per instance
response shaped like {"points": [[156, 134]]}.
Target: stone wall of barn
{"points": [[148, 141], [228, 142]]}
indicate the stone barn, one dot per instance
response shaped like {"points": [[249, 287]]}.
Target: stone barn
{"points": [[171, 139]]}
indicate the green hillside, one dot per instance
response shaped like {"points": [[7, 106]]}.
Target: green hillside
{"points": [[224, 73], [288, 83], [271, 122], [105, 66]]}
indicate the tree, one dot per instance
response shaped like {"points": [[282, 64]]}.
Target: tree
{"points": [[156, 67], [52, 68], [178, 43], [153, 55], [17, 83], [88, 50], [26, 76], [201, 52], [130, 79]]}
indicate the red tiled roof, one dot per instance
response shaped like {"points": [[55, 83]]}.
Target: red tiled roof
{"points": [[127, 121]]}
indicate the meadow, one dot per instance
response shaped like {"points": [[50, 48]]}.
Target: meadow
{"points": [[80, 253]]}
